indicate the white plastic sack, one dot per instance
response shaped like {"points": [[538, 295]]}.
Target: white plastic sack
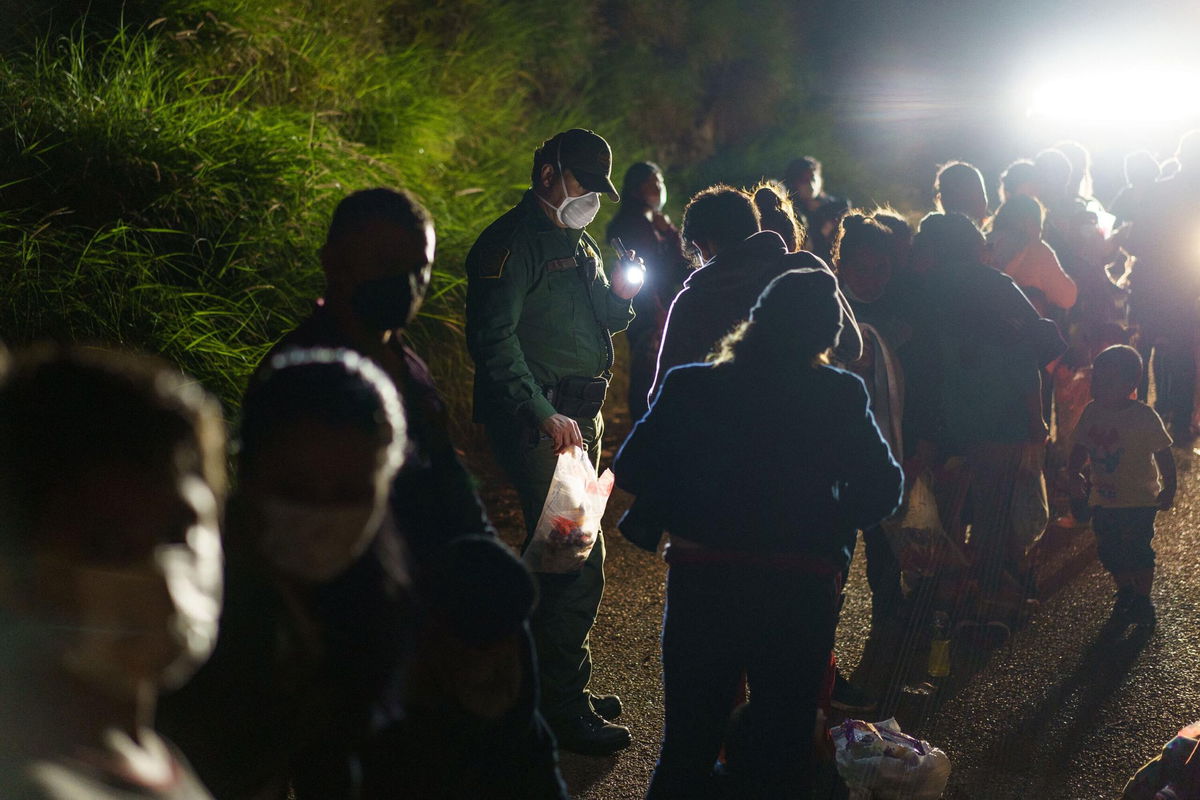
{"points": [[916, 534], [880, 762], [566, 530]]}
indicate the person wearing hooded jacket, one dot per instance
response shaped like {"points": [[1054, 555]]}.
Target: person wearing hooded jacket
{"points": [[762, 515], [738, 260]]}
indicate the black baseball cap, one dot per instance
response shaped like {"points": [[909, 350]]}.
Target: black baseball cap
{"points": [[588, 157]]}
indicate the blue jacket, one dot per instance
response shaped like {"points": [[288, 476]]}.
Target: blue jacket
{"points": [[787, 462]]}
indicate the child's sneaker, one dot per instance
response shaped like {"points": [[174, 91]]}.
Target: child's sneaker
{"points": [[1141, 610], [1124, 597]]}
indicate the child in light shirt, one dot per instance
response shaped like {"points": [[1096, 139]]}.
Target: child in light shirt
{"points": [[1132, 476]]}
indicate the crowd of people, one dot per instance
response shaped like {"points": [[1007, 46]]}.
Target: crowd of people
{"points": [[345, 623]]}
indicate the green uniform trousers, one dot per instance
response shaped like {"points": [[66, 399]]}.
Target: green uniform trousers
{"points": [[568, 603]]}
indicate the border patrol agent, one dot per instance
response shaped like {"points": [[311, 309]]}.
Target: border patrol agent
{"points": [[540, 317]]}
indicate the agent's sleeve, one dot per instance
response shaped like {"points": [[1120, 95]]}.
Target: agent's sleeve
{"points": [[618, 313], [872, 483], [499, 276]]}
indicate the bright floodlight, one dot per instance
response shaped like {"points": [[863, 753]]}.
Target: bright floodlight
{"points": [[1117, 94]]}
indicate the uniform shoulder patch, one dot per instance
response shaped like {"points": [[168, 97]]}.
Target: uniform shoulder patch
{"points": [[492, 261]]}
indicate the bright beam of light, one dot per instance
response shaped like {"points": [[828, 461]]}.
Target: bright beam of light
{"points": [[1117, 95]]}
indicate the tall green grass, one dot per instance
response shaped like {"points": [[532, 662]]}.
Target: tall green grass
{"points": [[165, 184]]}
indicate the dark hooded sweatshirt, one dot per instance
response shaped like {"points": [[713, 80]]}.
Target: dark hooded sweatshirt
{"points": [[719, 296]]}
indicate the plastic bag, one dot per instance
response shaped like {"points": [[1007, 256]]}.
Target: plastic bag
{"points": [[1030, 506], [566, 530], [916, 534], [877, 760]]}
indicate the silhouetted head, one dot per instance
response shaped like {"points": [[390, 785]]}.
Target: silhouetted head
{"points": [[1019, 177], [862, 255], [803, 178], [1080, 182], [378, 257], [901, 238], [643, 187], [717, 218], [1016, 225], [322, 435], [112, 473], [958, 189], [1141, 168], [796, 320], [1052, 170], [1020, 214], [946, 241], [776, 214], [1116, 373]]}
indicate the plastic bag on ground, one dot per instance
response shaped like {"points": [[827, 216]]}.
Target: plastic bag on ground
{"points": [[566, 530], [880, 762]]}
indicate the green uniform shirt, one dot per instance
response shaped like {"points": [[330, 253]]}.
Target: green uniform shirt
{"points": [[533, 317]]}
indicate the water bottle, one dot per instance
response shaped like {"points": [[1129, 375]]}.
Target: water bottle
{"points": [[939, 646]]}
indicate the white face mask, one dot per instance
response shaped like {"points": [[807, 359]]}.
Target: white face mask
{"points": [[315, 543], [155, 621], [574, 212]]}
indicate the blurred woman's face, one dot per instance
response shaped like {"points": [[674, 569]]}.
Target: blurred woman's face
{"points": [[653, 192], [320, 491], [128, 587], [865, 276]]}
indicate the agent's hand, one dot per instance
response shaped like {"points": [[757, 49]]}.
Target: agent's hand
{"points": [[662, 223], [563, 432], [623, 285]]}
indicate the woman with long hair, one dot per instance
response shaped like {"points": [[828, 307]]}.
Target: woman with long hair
{"points": [[762, 465]]}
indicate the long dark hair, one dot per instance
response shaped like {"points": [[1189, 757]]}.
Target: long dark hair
{"points": [[796, 321], [776, 214]]}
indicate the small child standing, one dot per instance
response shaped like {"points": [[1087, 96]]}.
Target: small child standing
{"points": [[1132, 476]]}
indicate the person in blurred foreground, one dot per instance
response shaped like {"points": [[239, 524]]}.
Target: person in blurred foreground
{"points": [[111, 479], [318, 611], [727, 454]]}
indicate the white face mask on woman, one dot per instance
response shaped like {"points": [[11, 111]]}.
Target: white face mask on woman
{"points": [[155, 620], [316, 543]]}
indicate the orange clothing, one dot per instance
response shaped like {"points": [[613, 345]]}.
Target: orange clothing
{"points": [[1037, 267]]}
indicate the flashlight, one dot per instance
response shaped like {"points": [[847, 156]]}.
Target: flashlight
{"points": [[634, 272]]}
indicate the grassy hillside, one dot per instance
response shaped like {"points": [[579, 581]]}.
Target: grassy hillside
{"points": [[168, 170]]}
